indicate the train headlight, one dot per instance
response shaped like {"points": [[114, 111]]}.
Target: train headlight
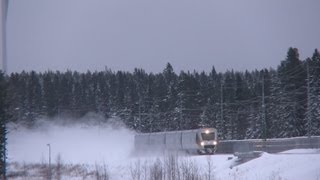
{"points": [[214, 142], [202, 143], [207, 131]]}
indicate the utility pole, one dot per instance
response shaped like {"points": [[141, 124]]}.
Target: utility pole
{"points": [[180, 122], [309, 101], [221, 105], [49, 162], [139, 123], [3, 48], [264, 123]]}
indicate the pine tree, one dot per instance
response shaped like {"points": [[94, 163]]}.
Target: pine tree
{"points": [[3, 131]]}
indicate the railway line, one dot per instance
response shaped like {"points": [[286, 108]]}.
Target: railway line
{"points": [[205, 141], [269, 145]]}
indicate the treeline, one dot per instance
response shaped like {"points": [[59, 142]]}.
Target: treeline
{"points": [[282, 102]]}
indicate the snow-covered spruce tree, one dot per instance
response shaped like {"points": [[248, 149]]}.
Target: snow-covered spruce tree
{"points": [[138, 88], [17, 96], [292, 76], [3, 131], [49, 94], [267, 92], [314, 97], [229, 105], [254, 129], [210, 102], [220, 99], [34, 98], [242, 96], [161, 102], [90, 88], [172, 113], [14, 96], [253, 105], [103, 94], [275, 109], [64, 93], [186, 100]]}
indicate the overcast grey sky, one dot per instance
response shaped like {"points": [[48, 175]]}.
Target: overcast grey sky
{"points": [[190, 34]]}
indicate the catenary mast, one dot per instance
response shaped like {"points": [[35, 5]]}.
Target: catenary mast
{"points": [[3, 49]]}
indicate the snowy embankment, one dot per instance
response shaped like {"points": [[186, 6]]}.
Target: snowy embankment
{"points": [[86, 150]]}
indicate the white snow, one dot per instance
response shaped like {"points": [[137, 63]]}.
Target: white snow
{"points": [[277, 166], [80, 144]]}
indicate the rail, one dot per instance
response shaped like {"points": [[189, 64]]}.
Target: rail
{"points": [[268, 145]]}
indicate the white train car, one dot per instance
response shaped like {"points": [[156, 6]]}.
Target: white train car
{"points": [[201, 141]]}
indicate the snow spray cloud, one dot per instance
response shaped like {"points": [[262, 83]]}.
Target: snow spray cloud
{"points": [[100, 141]]}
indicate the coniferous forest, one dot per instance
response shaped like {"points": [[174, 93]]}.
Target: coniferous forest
{"points": [[267, 103]]}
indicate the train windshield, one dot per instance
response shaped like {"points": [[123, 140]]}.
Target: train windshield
{"points": [[208, 136]]}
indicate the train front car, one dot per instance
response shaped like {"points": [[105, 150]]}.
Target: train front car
{"points": [[207, 140]]}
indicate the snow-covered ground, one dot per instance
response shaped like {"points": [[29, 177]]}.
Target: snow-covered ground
{"points": [[112, 147]]}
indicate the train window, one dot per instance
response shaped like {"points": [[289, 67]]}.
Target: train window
{"points": [[208, 136]]}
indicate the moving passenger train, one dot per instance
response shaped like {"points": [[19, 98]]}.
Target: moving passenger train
{"points": [[201, 141]]}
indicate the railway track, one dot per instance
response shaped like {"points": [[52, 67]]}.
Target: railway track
{"points": [[268, 145]]}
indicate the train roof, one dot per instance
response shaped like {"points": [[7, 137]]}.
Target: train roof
{"points": [[172, 132]]}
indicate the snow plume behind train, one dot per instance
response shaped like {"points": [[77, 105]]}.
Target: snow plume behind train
{"points": [[91, 139]]}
